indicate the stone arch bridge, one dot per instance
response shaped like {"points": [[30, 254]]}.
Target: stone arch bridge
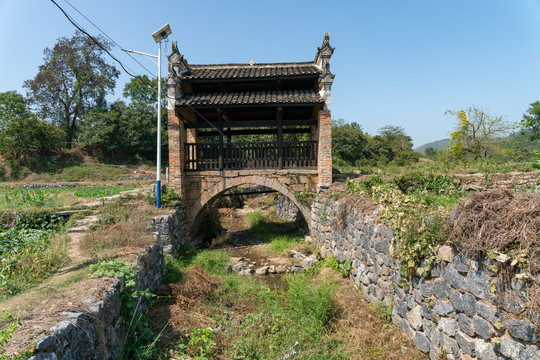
{"points": [[264, 124]]}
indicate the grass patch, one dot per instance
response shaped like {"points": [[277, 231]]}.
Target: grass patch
{"points": [[100, 191], [222, 315], [212, 262], [269, 228]]}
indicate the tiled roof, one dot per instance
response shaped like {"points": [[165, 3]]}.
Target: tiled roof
{"points": [[246, 71], [305, 96]]}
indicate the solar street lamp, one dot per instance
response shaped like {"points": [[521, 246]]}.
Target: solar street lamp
{"points": [[159, 35]]}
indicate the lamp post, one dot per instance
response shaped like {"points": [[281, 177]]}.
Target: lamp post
{"points": [[161, 34]]}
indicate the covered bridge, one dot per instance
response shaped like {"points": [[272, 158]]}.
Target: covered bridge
{"points": [[232, 124]]}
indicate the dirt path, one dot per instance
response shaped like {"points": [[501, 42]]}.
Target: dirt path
{"points": [[64, 292]]}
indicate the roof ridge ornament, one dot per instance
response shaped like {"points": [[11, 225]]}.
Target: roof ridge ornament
{"points": [[178, 65], [322, 60]]}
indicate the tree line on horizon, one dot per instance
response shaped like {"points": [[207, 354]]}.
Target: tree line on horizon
{"points": [[65, 106]]}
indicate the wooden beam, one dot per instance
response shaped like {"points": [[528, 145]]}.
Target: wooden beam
{"points": [[257, 132], [220, 127], [250, 123], [280, 136]]}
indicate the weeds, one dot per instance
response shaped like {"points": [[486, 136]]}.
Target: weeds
{"points": [[29, 252], [416, 207], [138, 342], [384, 312], [268, 228]]}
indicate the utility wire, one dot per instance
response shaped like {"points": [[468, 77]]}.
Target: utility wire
{"points": [[108, 37], [94, 40], [119, 62]]}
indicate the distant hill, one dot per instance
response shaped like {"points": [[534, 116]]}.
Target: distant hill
{"points": [[437, 145]]}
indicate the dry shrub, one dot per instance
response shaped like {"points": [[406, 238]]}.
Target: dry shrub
{"points": [[75, 154], [181, 306], [108, 241], [509, 224], [498, 220]]}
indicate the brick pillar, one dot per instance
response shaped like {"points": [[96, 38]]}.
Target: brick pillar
{"points": [[176, 151], [324, 161]]}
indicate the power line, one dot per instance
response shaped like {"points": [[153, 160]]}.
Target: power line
{"points": [[118, 61], [108, 37], [94, 40]]}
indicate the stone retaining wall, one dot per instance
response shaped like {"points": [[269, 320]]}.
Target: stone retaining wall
{"points": [[99, 332], [506, 181], [451, 312], [286, 209]]}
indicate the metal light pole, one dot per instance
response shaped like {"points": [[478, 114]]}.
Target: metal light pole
{"points": [[159, 35]]}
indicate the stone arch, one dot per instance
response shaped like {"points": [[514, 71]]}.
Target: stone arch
{"points": [[228, 183]]}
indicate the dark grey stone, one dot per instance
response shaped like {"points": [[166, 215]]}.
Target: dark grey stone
{"points": [[46, 343], [382, 246], [455, 300], [443, 308], [466, 325], [436, 270], [461, 264], [478, 284], [421, 342], [483, 328], [441, 289], [427, 312], [397, 290], [407, 329], [410, 301], [425, 287], [453, 278], [44, 356], [520, 329], [511, 303], [488, 312], [465, 343], [469, 304]]}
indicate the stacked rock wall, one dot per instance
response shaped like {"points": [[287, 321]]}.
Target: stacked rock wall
{"points": [[453, 312], [286, 209], [99, 332]]}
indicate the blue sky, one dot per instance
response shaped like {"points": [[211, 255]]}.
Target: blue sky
{"points": [[396, 62]]}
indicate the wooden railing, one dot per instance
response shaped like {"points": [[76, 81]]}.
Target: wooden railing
{"points": [[251, 155]]}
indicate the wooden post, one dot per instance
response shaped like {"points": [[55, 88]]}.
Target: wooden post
{"points": [[280, 136], [220, 123]]}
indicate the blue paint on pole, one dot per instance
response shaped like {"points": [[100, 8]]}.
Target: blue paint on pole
{"points": [[158, 194]]}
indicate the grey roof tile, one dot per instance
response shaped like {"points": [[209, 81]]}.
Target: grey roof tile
{"points": [[246, 71], [306, 96]]}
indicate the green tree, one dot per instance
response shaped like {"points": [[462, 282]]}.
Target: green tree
{"points": [[477, 134], [143, 90], [531, 120], [348, 141], [12, 106], [431, 152], [21, 133], [393, 144], [122, 130], [74, 78]]}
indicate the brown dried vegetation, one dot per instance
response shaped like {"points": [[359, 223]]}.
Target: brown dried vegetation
{"points": [[501, 221]]}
